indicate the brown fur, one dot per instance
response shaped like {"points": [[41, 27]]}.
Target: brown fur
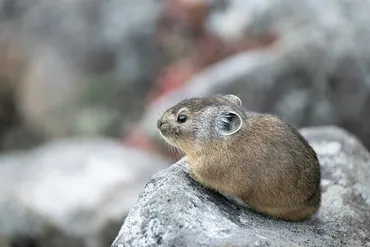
{"points": [[266, 163]]}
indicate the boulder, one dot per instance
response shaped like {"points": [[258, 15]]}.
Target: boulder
{"points": [[175, 210], [72, 192]]}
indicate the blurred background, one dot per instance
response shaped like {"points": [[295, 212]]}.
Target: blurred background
{"points": [[82, 83]]}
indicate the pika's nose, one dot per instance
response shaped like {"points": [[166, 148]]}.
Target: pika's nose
{"points": [[159, 123]]}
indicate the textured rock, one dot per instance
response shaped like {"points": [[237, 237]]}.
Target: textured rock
{"points": [[316, 74], [174, 210], [70, 192]]}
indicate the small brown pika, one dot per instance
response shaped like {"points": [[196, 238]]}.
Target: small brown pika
{"points": [[256, 157]]}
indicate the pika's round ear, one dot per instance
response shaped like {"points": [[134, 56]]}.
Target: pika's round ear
{"points": [[235, 99], [228, 123]]}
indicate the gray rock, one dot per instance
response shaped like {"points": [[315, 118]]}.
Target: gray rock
{"points": [[174, 210], [72, 192]]}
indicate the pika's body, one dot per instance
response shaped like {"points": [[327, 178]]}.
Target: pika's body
{"points": [[256, 157]]}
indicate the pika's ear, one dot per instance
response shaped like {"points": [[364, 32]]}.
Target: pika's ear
{"points": [[228, 123], [235, 99]]}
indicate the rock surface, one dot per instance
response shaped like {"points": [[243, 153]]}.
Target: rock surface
{"points": [[174, 210], [72, 192]]}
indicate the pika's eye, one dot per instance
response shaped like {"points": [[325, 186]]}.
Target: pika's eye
{"points": [[181, 118]]}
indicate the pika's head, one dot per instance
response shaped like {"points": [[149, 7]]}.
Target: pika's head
{"points": [[199, 121]]}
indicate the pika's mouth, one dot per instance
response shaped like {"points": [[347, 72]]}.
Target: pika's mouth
{"points": [[170, 140], [164, 128], [165, 131]]}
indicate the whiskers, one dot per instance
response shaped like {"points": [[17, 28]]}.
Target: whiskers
{"points": [[174, 152], [159, 108], [170, 139]]}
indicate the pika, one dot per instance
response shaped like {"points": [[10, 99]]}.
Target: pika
{"points": [[256, 157]]}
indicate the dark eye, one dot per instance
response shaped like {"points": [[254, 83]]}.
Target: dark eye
{"points": [[181, 118]]}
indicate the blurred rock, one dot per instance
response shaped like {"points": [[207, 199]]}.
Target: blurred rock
{"points": [[10, 64], [316, 73], [86, 64], [72, 192], [174, 210], [8, 113], [192, 45]]}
